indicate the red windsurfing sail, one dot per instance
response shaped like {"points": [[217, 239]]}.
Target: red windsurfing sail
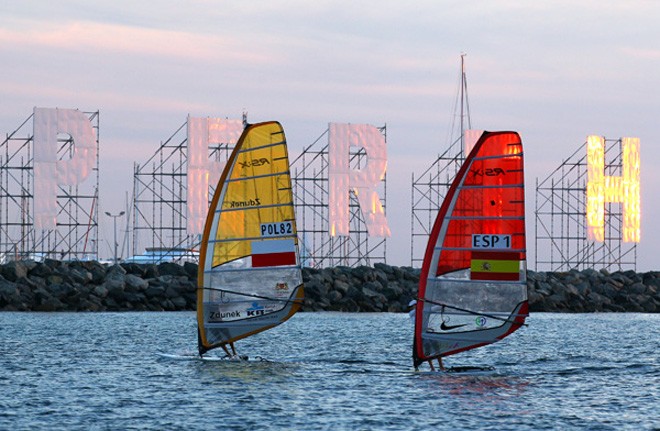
{"points": [[473, 286]]}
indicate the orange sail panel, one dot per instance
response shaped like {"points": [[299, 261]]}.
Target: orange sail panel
{"points": [[472, 287], [249, 273]]}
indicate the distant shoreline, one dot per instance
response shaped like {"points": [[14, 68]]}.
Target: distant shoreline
{"points": [[90, 286]]}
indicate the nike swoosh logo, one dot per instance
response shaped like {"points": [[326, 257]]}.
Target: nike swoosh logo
{"points": [[446, 327]]}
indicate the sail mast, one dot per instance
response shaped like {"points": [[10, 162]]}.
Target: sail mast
{"points": [[465, 105]]}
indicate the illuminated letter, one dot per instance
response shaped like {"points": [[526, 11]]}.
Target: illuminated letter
{"points": [[363, 182], [202, 171], [623, 189], [50, 172]]}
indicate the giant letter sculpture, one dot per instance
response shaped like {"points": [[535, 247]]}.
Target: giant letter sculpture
{"points": [[363, 182], [49, 172], [202, 171], [602, 189]]}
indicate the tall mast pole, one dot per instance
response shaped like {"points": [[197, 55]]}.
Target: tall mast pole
{"points": [[462, 97], [465, 105]]}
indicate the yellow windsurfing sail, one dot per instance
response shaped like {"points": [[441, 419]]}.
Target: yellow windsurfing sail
{"points": [[249, 276]]}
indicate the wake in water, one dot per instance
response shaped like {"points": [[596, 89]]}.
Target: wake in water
{"points": [[470, 370], [191, 356], [462, 370]]}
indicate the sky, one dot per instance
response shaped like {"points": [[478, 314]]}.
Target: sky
{"points": [[555, 71]]}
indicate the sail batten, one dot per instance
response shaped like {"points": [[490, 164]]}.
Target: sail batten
{"points": [[248, 178], [473, 288], [473, 281], [520, 250], [238, 208], [251, 269], [479, 186], [250, 277], [486, 218], [493, 157], [248, 295], [261, 147]]}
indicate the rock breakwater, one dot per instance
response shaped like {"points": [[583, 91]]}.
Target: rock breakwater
{"points": [[90, 286]]}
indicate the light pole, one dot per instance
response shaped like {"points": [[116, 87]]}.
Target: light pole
{"points": [[114, 219]]}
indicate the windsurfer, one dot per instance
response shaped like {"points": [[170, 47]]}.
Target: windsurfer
{"points": [[412, 310]]}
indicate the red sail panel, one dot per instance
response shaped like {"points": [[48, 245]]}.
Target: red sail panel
{"points": [[273, 259]]}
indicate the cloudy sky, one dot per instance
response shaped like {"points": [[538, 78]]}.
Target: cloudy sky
{"points": [[555, 71]]}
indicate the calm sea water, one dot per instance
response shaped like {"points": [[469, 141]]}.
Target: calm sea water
{"points": [[324, 371]]}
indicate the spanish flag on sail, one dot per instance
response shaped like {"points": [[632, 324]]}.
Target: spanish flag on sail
{"points": [[495, 265]]}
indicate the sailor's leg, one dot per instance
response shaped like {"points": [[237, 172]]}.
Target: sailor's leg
{"points": [[224, 347], [233, 349], [431, 364]]}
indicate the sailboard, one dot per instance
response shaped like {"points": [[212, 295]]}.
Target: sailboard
{"points": [[249, 277], [472, 288]]}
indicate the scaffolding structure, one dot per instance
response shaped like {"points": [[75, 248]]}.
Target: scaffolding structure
{"points": [[428, 190], [561, 240], [75, 236], [159, 196], [310, 180]]}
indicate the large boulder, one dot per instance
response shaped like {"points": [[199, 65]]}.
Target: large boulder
{"points": [[14, 270]]}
